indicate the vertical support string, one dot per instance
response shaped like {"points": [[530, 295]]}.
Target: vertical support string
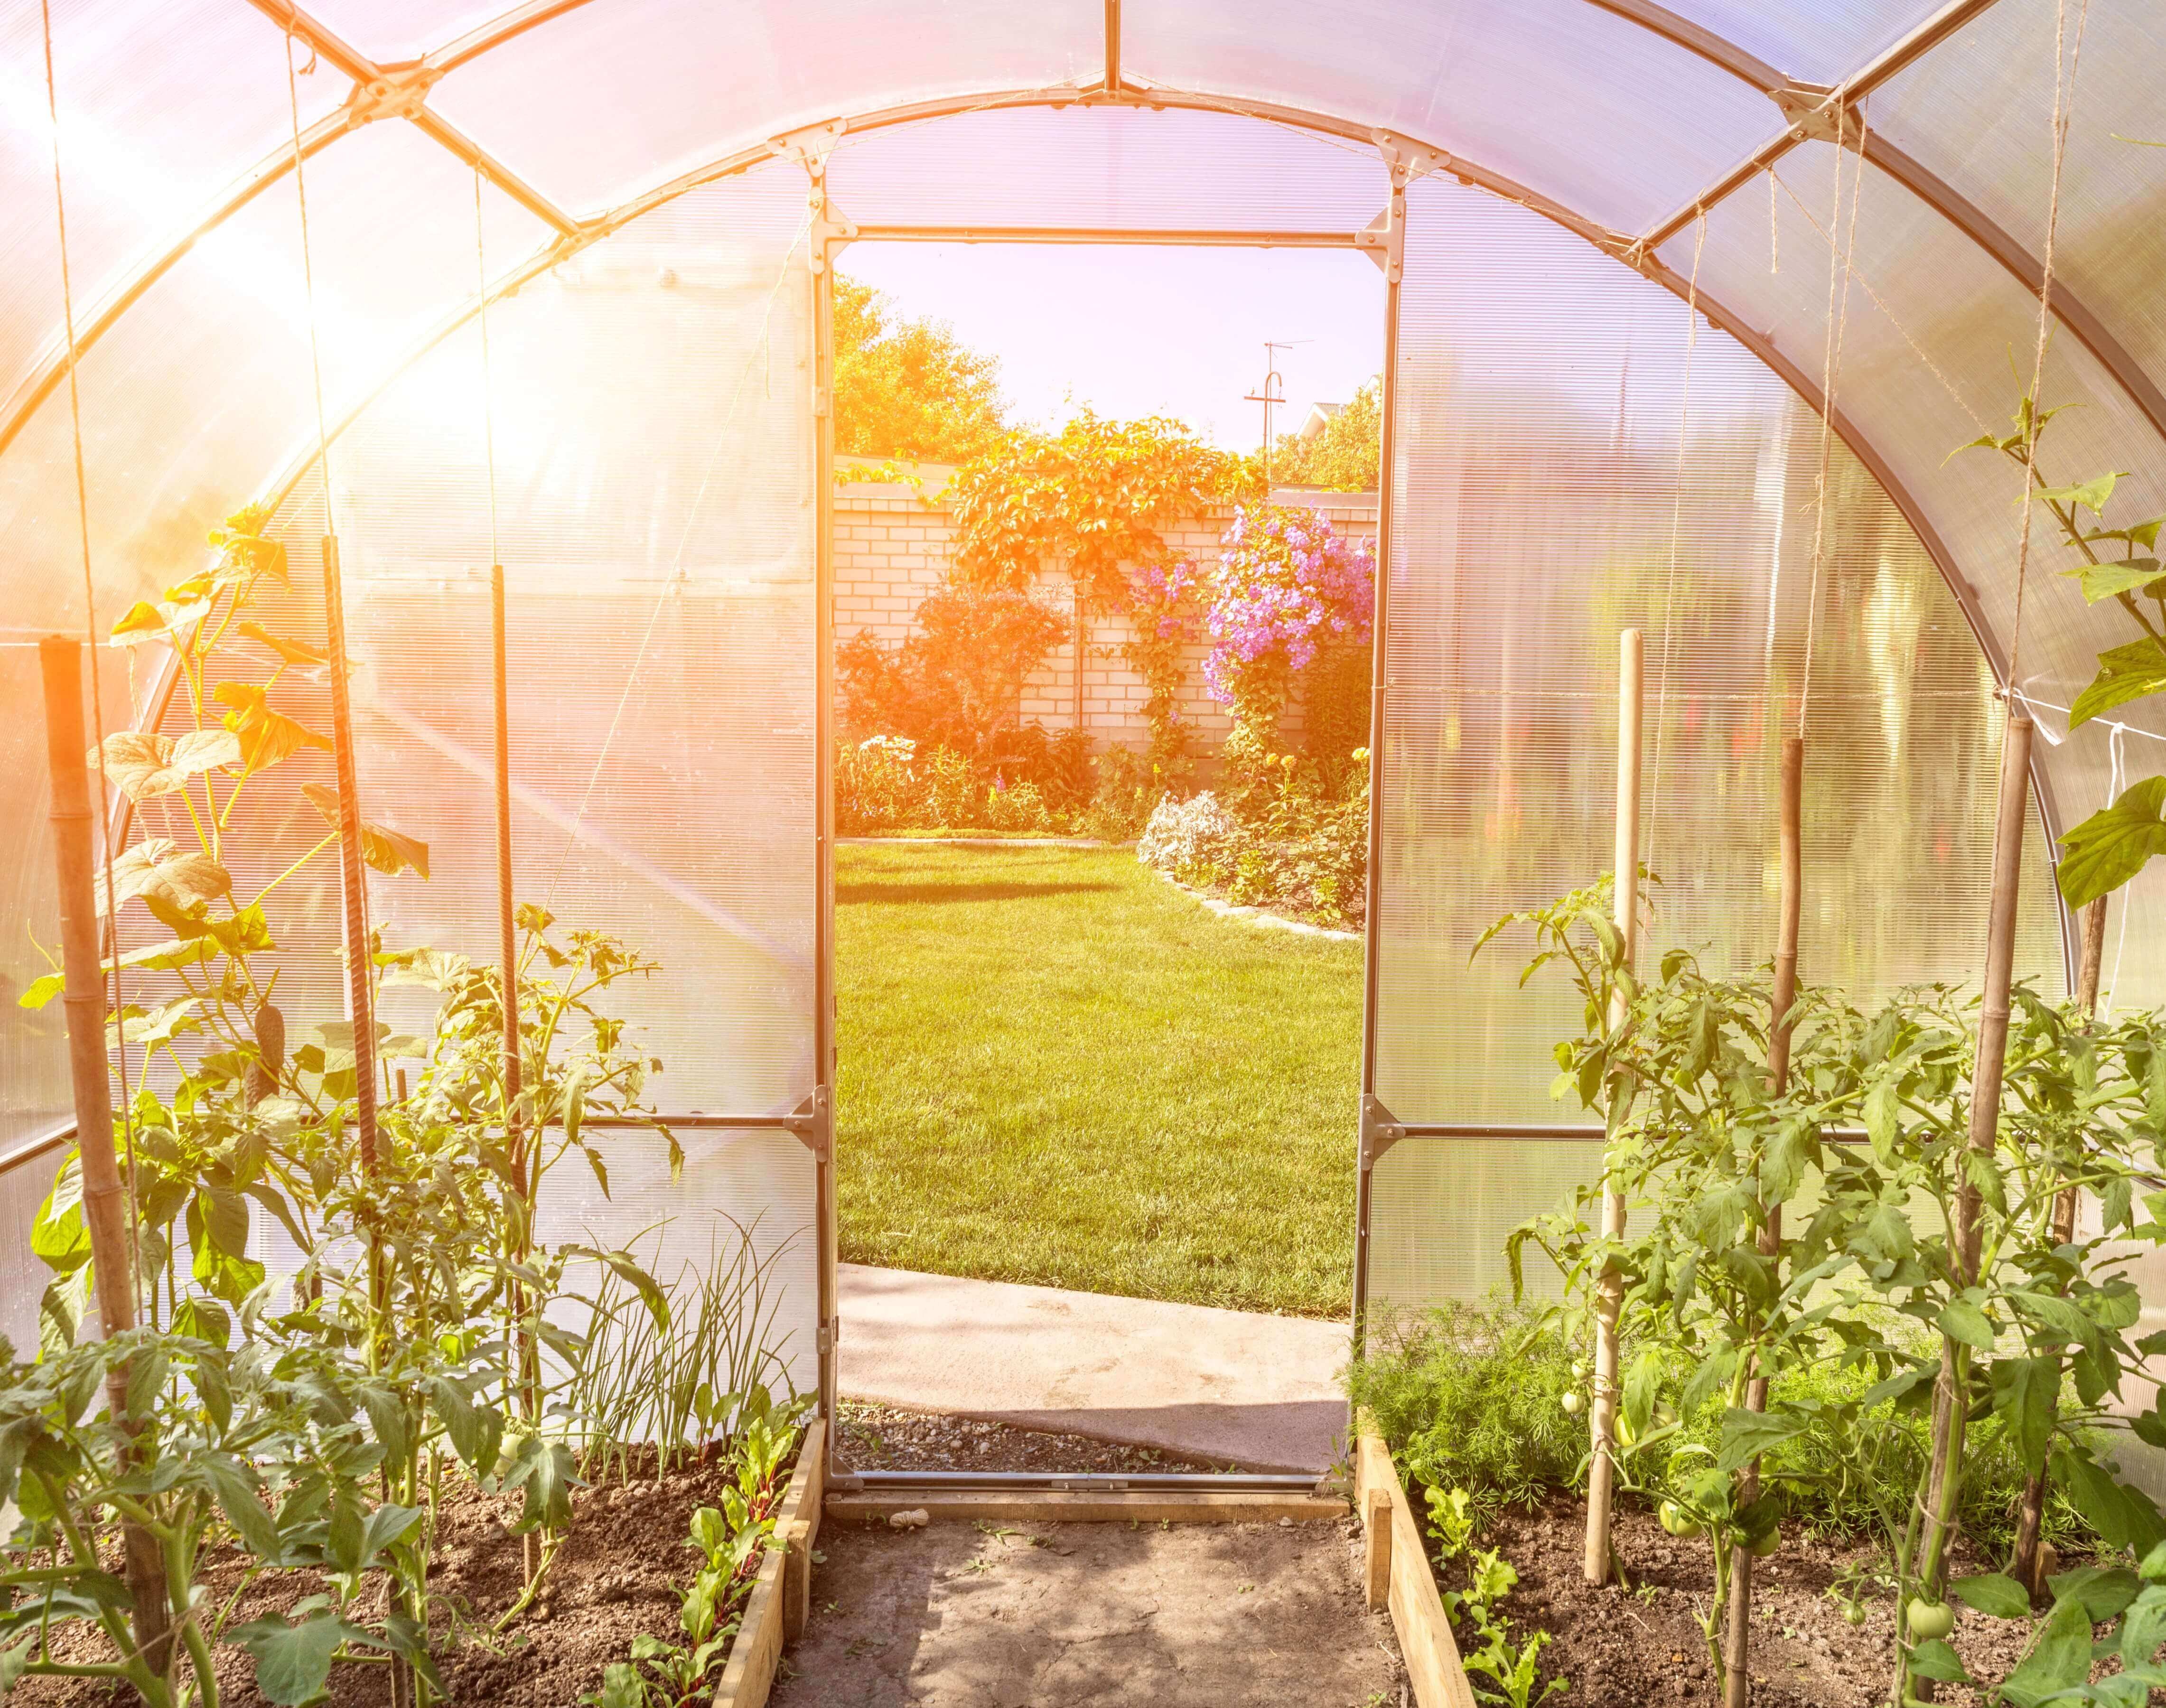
{"points": [[1842, 268], [1677, 529]]}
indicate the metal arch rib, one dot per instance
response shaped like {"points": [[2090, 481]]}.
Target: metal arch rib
{"points": [[1595, 234], [367, 75], [1646, 14], [1926, 185], [52, 367]]}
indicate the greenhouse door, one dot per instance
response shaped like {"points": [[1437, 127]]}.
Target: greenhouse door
{"points": [[1002, 171]]}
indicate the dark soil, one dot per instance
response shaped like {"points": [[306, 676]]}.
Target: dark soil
{"points": [[1644, 1645], [611, 1581], [1203, 1615], [872, 1437], [613, 1578]]}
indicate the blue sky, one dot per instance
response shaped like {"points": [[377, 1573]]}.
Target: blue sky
{"points": [[1147, 330]]}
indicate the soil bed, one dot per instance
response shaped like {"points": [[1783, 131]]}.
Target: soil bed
{"points": [[992, 1615], [872, 1437], [611, 1581], [1644, 1645]]}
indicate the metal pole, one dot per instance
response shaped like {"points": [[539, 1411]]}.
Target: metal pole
{"points": [[1379, 683], [828, 1230], [105, 1208], [1610, 1294]]}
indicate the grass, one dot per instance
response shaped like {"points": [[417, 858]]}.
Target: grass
{"points": [[1055, 1068]]}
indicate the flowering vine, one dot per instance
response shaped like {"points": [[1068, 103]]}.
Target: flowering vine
{"points": [[1288, 591]]}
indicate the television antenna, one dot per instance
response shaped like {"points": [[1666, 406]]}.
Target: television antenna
{"points": [[1271, 392]]}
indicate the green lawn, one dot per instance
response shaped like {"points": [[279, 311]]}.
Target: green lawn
{"points": [[1056, 1068]]}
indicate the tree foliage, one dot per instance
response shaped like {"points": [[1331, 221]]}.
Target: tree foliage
{"points": [[1344, 457], [907, 387], [2118, 565], [1093, 495]]}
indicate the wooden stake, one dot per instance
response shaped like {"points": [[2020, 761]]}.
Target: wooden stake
{"points": [[1736, 1681], [1986, 1078], [2023, 1568], [1610, 1290], [105, 1206]]}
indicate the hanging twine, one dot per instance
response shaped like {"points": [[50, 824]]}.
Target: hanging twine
{"points": [[1842, 268], [488, 400], [2065, 63], [1676, 530], [112, 933]]}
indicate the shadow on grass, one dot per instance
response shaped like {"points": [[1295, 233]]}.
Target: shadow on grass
{"points": [[847, 894]]}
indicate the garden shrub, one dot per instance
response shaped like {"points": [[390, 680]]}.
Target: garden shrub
{"points": [[1287, 843], [957, 681]]}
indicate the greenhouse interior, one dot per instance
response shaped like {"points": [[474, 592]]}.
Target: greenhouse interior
{"points": [[1721, 810]]}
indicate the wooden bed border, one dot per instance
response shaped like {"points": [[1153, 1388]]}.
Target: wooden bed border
{"points": [[1396, 1575], [782, 1594]]}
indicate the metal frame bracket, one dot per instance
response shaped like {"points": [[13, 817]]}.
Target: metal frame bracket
{"points": [[1819, 112], [1407, 159], [1383, 239], [400, 91], [813, 1122], [810, 145], [1380, 1130]]}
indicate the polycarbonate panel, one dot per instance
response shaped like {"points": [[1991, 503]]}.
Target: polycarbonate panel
{"points": [[1123, 167], [1604, 116], [162, 108], [1933, 342], [1441, 1210], [22, 1274], [1978, 112], [653, 458], [1541, 395], [1812, 41], [608, 100]]}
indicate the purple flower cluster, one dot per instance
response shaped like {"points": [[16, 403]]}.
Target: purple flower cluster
{"points": [[1162, 597], [1285, 582]]}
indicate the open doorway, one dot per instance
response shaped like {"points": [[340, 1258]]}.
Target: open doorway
{"points": [[1102, 542]]}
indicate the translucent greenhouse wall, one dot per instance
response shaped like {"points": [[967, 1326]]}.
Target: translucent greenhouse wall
{"points": [[1540, 391], [1542, 503]]}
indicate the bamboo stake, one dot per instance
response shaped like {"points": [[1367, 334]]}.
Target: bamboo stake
{"points": [[105, 1208], [1737, 1682], [1601, 1471], [2025, 1568], [1986, 1078]]}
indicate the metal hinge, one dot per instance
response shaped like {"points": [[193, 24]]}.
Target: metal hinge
{"points": [[1380, 1130], [830, 1334], [819, 403], [397, 94], [813, 1122]]}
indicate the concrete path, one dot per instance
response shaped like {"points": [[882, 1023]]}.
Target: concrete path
{"points": [[1229, 1387]]}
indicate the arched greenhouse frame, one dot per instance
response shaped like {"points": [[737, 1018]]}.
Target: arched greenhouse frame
{"points": [[1686, 311]]}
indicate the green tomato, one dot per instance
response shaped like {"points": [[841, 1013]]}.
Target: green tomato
{"points": [[1854, 1611], [1679, 1522], [1578, 1371], [1930, 1619], [1761, 1546], [1570, 1403]]}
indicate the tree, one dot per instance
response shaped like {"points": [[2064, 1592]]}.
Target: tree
{"points": [[1093, 495], [1344, 456], [906, 387]]}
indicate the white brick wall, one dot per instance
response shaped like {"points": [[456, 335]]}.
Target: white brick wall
{"points": [[891, 549]]}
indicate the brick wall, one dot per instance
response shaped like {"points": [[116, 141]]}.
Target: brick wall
{"points": [[891, 548]]}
